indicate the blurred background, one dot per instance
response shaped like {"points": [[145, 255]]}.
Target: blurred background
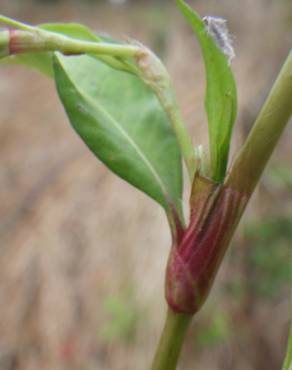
{"points": [[83, 254]]}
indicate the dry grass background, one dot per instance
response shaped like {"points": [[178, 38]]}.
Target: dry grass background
{"points": [[82, 253]]}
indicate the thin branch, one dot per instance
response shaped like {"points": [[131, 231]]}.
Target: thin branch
{"points": [[265, 134]]}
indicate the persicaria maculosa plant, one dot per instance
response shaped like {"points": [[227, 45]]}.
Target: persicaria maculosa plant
{"points": [[119, 99]]}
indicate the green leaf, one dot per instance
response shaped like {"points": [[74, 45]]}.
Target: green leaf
{"points": [[121, 121], [75, 30], [220, 98], [42, 62]]}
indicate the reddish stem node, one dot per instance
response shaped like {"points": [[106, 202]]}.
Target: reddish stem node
{"points": [[194, 261]]}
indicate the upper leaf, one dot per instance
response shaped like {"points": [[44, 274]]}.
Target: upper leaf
{"points": [[220, 98], [121, 121]]}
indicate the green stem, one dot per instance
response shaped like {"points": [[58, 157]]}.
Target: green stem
{"points": [[267, 129], [183, 138], [41, 40], [288, 358], [155, 75], [171, 341], [4, 43], [14, 23], [28, 38]]}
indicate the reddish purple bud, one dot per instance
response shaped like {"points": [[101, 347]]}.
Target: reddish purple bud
{"points": [[194, 261]]}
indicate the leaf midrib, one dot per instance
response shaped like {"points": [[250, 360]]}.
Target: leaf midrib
{"points": [[114, 122]]}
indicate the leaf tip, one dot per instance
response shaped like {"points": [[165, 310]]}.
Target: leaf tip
{"points": [[216, 28]]}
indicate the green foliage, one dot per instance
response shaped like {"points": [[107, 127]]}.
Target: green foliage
{"points": [[234, 287], [212, 331], [116, 115], [279, 177], [121, 121], [269, 244], [221, 97], [122, 314]]}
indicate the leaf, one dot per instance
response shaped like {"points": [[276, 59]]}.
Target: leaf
{"points": [[75, 30], [220, 98], [121, 121], [42, 62]]}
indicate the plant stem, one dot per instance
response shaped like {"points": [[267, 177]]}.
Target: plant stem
{"points": [[4, 43], [183, 138], [41, 40], [168, 102], [28, 38], [155, 75], [171, 341], [267, 129], [16, 24], [288, 358]]}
